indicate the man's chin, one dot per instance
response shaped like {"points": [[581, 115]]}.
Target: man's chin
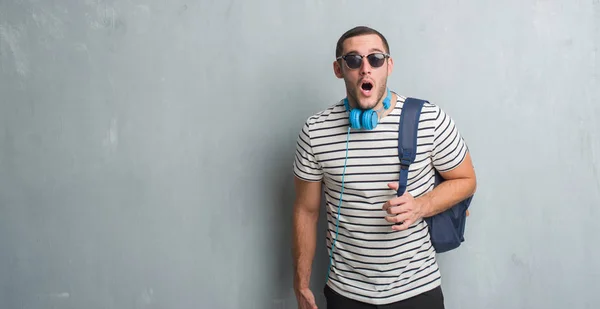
{"points": [[367, 104]]}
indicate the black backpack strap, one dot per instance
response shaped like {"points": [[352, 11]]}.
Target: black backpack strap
{"points": [[407, 138]]}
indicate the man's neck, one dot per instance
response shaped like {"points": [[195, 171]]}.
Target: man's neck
{"points": [[381, 108], [393, 100]]}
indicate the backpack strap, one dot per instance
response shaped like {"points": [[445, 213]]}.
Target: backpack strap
{"points": [[407, 138], [446, 229]]}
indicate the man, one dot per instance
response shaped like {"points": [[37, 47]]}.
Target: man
{"points": [[380, 253]]}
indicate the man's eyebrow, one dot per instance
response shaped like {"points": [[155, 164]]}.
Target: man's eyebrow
{"points": [[351, 52], [376, 50]]}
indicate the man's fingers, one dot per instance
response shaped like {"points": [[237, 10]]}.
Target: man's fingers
{"points": [[393, 185], [394, 210], [394, 202], [398, 218], [403, 226]]}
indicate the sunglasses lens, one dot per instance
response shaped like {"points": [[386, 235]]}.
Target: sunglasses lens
{"points": [[353, 61], [376, 60]]}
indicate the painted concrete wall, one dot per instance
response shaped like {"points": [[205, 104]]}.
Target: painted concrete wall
{"points": [[139, 167]]}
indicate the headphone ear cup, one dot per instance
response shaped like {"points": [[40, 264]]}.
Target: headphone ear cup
{"points": [[355, 118], [369, 119]]}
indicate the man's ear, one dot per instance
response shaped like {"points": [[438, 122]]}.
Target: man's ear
{"points": [[390, 66], [337, 69]]}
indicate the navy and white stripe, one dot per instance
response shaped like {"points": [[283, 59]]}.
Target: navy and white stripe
{"points": [[372, 263]]}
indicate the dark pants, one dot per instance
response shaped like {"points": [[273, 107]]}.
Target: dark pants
{"points": [[433, 299]]}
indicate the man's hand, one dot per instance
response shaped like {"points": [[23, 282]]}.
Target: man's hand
{"points": [[460, 183], [403, 209], [306, 299]]}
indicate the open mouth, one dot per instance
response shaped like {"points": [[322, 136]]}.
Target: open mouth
{"points": [[367, 86]]}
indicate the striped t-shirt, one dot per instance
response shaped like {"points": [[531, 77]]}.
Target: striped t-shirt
{"points": [[371, 262]]}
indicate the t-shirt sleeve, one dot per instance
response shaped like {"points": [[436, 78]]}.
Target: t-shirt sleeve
{"points": [[305, 164], [449, 147]]}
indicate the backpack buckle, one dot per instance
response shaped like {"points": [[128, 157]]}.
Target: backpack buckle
{"points": [[404, 163]]}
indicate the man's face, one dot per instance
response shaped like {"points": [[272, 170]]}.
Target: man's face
{"points": [[365, 85]]}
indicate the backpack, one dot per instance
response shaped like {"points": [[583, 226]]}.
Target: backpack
{"points": [[447, 228]]}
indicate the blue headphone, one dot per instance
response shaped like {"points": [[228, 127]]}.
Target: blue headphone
{"points": [[367, 119]]}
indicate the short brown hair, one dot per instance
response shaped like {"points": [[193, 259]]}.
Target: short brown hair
{"points": [[356, 31]]}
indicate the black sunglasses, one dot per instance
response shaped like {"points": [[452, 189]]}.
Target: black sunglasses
{"points": [[353, 61]]}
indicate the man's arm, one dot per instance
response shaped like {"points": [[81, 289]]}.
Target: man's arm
{"points": [[306, 215], [460, 183]]}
